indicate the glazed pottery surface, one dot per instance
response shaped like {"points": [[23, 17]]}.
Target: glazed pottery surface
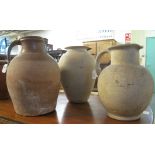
{"points": [[77, 73], [125, 88], [33, 78]]}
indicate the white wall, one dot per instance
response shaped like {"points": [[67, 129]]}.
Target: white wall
{"points": [[59, 38], [139, 37], [63, 38], [150, 33], [119, 35]]}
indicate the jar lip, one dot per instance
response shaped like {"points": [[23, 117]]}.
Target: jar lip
{"points": [[122, 46], [76, 47], [31, 37]]}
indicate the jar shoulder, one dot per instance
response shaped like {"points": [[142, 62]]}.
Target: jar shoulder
{"points": [[77, 59], [38, 63], [127, 70]]}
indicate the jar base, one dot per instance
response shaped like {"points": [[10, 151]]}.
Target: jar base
{"points": [[122, 118], [27, 114]]}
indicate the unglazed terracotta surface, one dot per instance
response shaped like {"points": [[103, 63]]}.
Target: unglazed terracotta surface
{"points": [[77, 73], [33, 78], [125, 88]]}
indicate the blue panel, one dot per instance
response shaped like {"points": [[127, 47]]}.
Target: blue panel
{"points": [[4, 43], [150, 56]]}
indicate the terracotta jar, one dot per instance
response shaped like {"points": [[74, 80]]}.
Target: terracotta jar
{"points": [[77, 73], [125, 88], [33, 78], [3, 88]]}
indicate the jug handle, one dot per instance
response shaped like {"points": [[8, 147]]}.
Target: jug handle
{"points": [[14, 43], [98, 69]]}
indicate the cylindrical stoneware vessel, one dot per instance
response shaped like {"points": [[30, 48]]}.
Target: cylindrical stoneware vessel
{"points": [[78, 73], [33, 78], [125, 88]]}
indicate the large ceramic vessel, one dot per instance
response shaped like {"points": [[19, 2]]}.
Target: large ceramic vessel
{"points": [[125, 88], [77, 73], [33, 78]]}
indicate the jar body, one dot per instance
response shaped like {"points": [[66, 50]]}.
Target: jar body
{"points": [[77, 68], [125, 89], [33, 81]]}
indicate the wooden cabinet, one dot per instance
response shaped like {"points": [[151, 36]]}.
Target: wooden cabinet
{"points": [[93, 46], [104, 44], [98, 46]]}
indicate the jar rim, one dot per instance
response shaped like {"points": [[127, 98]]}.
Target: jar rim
{"points": [[75, 47], [31, 37], [128, 45]]}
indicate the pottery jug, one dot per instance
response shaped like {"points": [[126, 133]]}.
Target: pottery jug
{"points": [[33, 78], [78, 73], [125, 88]]}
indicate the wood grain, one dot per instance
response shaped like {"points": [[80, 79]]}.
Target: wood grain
{"points": [[91, 112]]}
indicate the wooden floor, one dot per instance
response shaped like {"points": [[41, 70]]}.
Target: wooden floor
{"points": [[92, 112]]}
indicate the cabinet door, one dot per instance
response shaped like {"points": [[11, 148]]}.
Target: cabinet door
{"points": [[105, 58], [93, 47], [103, 45]]}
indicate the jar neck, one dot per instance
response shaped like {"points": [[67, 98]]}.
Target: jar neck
{"points": [[123, 56], [33, 45]]}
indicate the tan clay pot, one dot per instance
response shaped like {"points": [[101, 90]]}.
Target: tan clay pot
{"points": [[77, 73], [33, 78], [125, 88]]}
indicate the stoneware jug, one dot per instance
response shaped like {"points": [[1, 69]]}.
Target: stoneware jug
{"points": [[78, 73], [125, 88], [33, 78]]}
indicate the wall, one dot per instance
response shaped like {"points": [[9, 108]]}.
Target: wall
{"points": [[93, 34], [139, 37], [119, 35], [150, 33], [63, 38], [59, 38]]}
